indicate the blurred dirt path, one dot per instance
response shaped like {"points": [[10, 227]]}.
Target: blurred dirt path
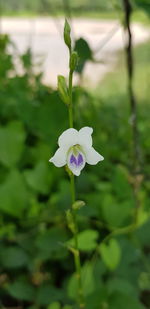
{"points": [[45, 37]]}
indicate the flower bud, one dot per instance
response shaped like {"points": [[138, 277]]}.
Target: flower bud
{"points": [[62, 89], [70, 221], [78, 204], [73, 60], [67, 37]]}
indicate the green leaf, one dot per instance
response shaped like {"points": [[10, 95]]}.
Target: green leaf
{"points": [[87, 240], [88, 281], [144, 5], [63, 90], [13, 194], [84, 52], [46, 293], [124, 301], [27, 59], [111, 253], [39, 178], [12, 139], [13, 257], [50, 243], [121, 285], [54, 305], [114, 212], [22, 290]]}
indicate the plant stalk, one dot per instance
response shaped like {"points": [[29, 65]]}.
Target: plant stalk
{"points": [[76, 252], [133, 105]]}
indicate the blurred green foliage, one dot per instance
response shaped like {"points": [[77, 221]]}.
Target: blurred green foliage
{"points": [[66, 6], [44, 5], [35, 265]]}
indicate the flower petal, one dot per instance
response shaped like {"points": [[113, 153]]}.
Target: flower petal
{"points": [[68, 138], [76, 162], [85, 138], [59, 159], [92, 156]]}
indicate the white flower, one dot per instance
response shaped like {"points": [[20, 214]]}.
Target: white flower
{"points": [[75, 150]]}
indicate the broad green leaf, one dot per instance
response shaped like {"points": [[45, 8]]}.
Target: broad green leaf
{"points": [[88, 281], [114, 212], [144, 281], [122, 286], [84, 52], [98, 299], [121, 185], [22, 290], [50, 243], [12, 139], [13, 194], [54, 305], [39, 178], [13, 257], [47, 293], [144, 5], [87, 240], [110, 253], [124, 301]]}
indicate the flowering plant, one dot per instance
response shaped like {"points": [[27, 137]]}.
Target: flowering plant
{"points": [[75, 150]]}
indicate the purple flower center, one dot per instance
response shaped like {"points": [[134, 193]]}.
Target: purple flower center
{"points": [[76, 161]]}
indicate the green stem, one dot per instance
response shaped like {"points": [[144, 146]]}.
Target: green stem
{"points": [[70, 107], [76, 252]]}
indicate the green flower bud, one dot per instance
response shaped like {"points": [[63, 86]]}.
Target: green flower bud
{"points": [[67, 37], [63, 90], [70, 221], [78, 204], [73, 61]]}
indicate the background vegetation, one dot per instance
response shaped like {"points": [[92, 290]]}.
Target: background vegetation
{"points": [[51, 7], [35, 265]]}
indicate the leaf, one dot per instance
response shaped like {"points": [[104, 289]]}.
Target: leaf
{"points": [[22, 290], [87, 240], [121, 285], [46, 293], [144, 5], [121, 185], [12, 139], [114, 212], [54, 305], [39, 178], [88, 281], [111, 253], [124, 301], [50, 243], [13, 257], [84, 52], [13, 194]]}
